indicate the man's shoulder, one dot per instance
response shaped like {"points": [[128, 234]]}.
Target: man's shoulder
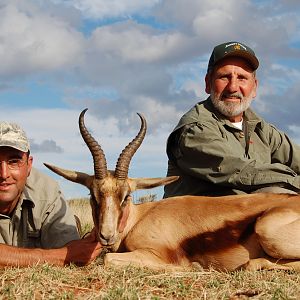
{"points": [[41, 186], [38, 177], [200, 112]]}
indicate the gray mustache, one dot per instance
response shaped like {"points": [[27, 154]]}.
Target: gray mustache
{"points": [[235, 95]]}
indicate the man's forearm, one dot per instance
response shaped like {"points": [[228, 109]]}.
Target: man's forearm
{"points": [[80, 252], [21, 257]]}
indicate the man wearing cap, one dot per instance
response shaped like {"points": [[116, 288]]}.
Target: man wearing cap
{"points": [[220, 146], [36, 224]]}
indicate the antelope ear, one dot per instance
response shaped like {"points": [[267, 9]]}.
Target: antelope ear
{"points": [[74, 176], [149, 183]]}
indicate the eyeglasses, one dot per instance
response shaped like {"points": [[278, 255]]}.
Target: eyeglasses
{"points": [[14, 163]]}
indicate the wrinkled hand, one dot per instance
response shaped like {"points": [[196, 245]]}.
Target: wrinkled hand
{"points": [[84, 251]]}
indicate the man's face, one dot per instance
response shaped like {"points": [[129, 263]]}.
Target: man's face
{"points": [[232, 86], [15, 167]]}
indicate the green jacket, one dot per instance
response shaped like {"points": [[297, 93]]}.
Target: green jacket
{"points": [[213, 157], [42, 218]]}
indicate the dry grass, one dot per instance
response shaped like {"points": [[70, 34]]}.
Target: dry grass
{"points": [[82, 209], [97, 282]]}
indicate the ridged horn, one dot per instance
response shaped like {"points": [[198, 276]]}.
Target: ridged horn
{"points": [[100, 166], [125, 157]]}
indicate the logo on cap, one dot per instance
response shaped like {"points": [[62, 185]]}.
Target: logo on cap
{"points": [[237, 47]]}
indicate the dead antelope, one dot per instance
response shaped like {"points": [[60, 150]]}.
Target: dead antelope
{"points": [[252, 231]]}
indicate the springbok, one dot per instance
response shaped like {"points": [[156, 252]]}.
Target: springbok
{"points": [[253, 231]]}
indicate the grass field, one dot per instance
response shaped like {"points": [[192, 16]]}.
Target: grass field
{"points": [[97, 282]]}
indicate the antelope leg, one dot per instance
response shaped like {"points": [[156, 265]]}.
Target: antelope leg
{"points": [[278, 232], [138, 258], [265, 264]]}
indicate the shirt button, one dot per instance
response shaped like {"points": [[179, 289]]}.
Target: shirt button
{"points": [[241, 134]]}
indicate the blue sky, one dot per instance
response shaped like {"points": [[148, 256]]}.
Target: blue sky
{"points": [[121, 57]]}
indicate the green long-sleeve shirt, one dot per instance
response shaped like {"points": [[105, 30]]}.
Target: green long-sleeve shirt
{"points": [[213, 157]]}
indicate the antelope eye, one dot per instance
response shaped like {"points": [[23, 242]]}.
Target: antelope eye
{"points": [[125, 200], [128, 198]]}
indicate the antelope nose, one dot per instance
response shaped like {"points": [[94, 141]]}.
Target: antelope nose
{"points": [[107, 239]]}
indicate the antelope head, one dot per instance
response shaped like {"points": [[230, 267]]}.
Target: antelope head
{"points": [[110, 190]]}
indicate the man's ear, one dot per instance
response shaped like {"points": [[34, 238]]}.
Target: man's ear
{"points": [[207, 83], [255, 88], [30, 160]]}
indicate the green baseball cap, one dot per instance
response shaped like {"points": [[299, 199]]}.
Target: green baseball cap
{"points": [[233, 49], [12, 135]]}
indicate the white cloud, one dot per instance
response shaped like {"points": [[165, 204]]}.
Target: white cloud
{"points": [[98, 9], [46, 146], [158, 114], [135, 43], [213, 18], [32, 40]]}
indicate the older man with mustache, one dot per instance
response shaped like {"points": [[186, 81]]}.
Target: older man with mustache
{"points": [[220, 146]]}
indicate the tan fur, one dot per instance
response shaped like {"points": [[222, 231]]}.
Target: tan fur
{"points": [[215, 232]]}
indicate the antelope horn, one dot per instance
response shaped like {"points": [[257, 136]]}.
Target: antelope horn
{"points": [[74, 176], [125, 157], [100, 166]]}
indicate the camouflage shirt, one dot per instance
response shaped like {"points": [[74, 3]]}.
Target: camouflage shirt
{"points": [[213, 157], [42, 218]]}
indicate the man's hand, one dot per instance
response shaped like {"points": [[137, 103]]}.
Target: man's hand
{"points": [[82, 252]]}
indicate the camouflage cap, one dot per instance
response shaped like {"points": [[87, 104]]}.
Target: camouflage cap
{"points": [[12, 135], [233, 49]]}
